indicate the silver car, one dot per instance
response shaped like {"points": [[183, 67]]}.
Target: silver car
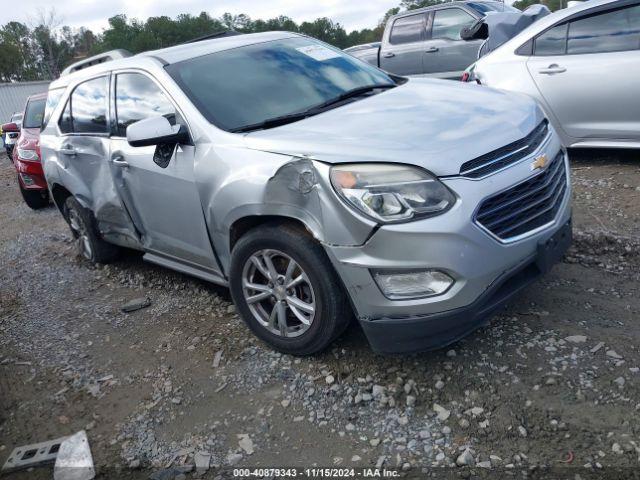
{"points": [[582, 64], [314, 185]]}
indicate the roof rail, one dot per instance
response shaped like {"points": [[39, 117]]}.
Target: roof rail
{"points": [[95, 60], [223, 33]]}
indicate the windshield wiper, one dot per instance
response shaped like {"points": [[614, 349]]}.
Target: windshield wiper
{"points": [[356, 92], [316, 109]]}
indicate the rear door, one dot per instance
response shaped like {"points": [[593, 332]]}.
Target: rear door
{"points": [[447, 55], [161, 197], [402, 52], [83, 151], [587, 72]]}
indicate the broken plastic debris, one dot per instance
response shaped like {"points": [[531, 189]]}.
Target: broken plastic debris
{"points": [[74, 460], [34, 455], [136, 304]]}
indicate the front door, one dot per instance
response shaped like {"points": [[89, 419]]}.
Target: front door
{"points": [[447, 55], [402, 52], [587, 72], [161, 196]]}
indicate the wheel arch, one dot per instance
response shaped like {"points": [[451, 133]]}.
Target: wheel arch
{"points": [[244, 224]]}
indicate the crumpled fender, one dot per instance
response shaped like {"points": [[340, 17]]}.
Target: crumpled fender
{"points": [[242, 183]]}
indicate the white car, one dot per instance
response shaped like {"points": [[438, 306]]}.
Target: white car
{"points": [[582, 64], [10, 138]]}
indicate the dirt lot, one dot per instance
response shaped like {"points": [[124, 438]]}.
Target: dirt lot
{"points": [[549, 389]]}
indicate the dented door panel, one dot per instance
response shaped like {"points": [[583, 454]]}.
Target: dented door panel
{"points": [[163, 202], [86, 171]]}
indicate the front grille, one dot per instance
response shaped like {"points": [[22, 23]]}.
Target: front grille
{"points": [[507, 155], [526, 206]]}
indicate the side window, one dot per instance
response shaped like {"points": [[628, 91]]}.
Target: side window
{"points": [[86, 110], [53, 98], [65, 123], [137, 98], [407, 30], [612, 31], [552, 42], [449, 22]]}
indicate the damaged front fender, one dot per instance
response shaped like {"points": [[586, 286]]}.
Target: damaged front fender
{"points": [[256, 183]]}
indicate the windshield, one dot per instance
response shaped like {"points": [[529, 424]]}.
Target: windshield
{"points": [[34, 114], [484, 7], [247, 85]]}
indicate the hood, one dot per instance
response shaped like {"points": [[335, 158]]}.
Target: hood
{"points": [[434, 124]]}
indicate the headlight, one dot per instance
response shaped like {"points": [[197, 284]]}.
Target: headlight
{"points": [[389, 192], [28, 154]]}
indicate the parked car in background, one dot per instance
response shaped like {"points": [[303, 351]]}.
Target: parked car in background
{"points": [[427, 41], [26, 154], [582, 64], [11, 131], [312, 184]]}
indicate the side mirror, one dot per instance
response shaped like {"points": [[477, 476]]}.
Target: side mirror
{"points": [[156, 131], [10, 127]]}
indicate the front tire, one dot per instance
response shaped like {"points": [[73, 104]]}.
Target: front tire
{"points": [[35, 199], [84, 229], [287, 291]]}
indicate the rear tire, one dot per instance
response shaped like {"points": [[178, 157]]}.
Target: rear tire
{"points": [[35, 199], [84, 229], [315, 309]]}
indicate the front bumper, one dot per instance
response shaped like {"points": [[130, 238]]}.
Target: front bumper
{"points": [[30, 174], [487, 272], [427, 332]]}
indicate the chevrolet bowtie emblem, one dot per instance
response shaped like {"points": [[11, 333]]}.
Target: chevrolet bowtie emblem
{"points": [[540, 162]]}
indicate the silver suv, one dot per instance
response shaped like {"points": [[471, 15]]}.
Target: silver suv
{"points": [[312, 184]]}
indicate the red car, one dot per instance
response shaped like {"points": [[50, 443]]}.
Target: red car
{"points": [[26, 154]]}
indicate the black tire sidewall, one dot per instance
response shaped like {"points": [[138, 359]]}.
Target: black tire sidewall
{"points": [[35, 199], [329, 296]]}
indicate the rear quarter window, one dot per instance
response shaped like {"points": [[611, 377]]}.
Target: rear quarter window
{"points": [[407, 29], [53, 99]]}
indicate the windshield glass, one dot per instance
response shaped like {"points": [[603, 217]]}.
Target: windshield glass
{"points": [[34, 114], [484, 7], [247, 85]]}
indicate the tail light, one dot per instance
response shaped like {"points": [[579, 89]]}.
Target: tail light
{"points": [[465, 77]]}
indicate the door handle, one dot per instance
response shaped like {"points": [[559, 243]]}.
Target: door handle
{"points": [[552, 69], [119, 161], [432, 50], [389, 55], [67, 150]]}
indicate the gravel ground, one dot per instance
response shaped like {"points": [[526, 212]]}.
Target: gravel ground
{"points": [[549, 389]]}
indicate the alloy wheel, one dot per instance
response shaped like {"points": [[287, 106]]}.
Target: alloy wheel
{"points": [[279, 293], [79, 229]]}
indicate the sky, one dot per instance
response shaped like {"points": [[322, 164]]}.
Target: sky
{"points": [[93, 14]]}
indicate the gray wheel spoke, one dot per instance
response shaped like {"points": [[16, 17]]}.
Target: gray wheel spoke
{"points": [[263, 270], [297, 281], [272, 317], [282, 318], [259, 297], [258, 287], [301, 305], [299, 315], [273, 273], [290, 269]]}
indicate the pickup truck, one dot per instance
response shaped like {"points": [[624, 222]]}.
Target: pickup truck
{"points": [[427, 41]]}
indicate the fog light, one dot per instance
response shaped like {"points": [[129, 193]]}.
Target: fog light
{"points": [[405, 285], [27, 180]]}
